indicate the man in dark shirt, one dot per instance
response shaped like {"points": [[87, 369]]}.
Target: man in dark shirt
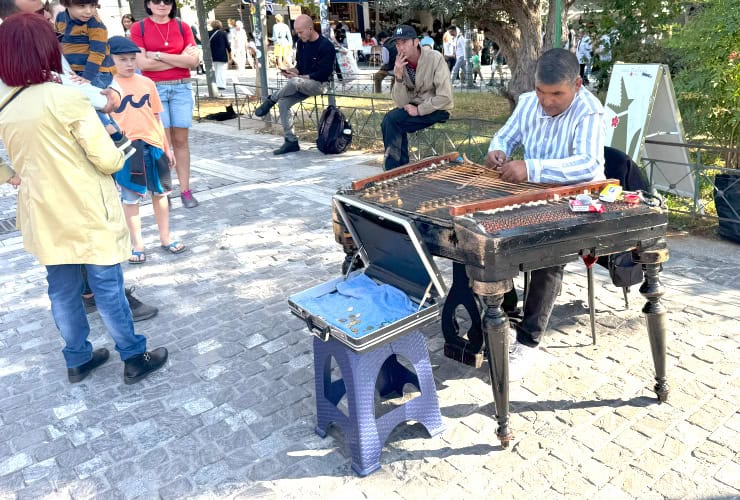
{"points": [[388, 60], [315, 58]]}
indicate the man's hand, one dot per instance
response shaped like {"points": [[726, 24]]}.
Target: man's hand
{"points": [[290, 73], [113, 100], [514, 171], [399, 66], [411, 110], [15, 181], [495, 159]]}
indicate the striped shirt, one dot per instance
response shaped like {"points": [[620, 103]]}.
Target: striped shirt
{"points": [[85, 45], [563, 149]]}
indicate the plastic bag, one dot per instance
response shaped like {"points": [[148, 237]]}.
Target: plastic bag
{"points": [[347, 65]]}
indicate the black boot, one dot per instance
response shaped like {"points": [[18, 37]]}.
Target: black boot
{"points": [[264, 108], [139, 310], [78, 374], [138, 367], [287, 147]]}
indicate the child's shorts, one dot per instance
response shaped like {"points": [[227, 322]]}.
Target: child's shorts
{"points": [[129, 197]]}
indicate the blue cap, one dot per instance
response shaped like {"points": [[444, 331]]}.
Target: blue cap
{"points": [[122, 45]]}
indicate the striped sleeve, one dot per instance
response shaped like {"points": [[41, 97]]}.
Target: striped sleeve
{"points": [[98, 42]]}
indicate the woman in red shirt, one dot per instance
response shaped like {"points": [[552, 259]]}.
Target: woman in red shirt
{"points": [[168, 53]]}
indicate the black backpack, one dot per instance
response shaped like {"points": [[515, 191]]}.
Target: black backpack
{"points": [[335, 132]]}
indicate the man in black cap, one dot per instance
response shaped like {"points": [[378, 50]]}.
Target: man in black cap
{"points": [[422, 94]]}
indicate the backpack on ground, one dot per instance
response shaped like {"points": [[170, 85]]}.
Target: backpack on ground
{"points": [[335, 132]]}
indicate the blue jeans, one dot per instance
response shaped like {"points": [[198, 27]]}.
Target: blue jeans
{"points": [[65, 284], [396, 124], [177, 101]]}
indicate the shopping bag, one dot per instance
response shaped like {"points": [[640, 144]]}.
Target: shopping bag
{"points": [[347, 65]]}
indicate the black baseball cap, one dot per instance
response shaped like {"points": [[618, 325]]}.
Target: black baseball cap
{"points": [[404, 32]]}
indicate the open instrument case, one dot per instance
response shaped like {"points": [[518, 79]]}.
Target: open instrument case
{"points": [[393, 254]]}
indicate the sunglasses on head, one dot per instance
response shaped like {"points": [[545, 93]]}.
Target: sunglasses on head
{"points": [[157, 2]]}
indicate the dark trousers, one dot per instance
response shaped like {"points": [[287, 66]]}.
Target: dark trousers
{"points": [[583, 72], [544, 287], [396, 125]]}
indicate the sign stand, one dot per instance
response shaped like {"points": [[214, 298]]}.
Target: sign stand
{"points": [[641, 108]]}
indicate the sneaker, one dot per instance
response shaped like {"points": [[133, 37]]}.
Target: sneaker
{"points": [[287, 147], [138, 367], [188, 200], [139, 310], [78, 374], [264, 108], [521, 359], [124, 144]]}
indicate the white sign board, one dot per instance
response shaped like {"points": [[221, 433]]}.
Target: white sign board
{"points": [[354, 41], [294, 11], [641, 107]]}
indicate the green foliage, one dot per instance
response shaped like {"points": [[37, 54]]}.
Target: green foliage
{"points": [[638, 25], [708, 81]]}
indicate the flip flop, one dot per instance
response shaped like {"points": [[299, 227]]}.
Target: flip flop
{"points": [[173, 247], [137, 257]]}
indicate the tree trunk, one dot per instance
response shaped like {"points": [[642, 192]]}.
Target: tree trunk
{"points": [[523, 59], [207, 58], [550, 26]]}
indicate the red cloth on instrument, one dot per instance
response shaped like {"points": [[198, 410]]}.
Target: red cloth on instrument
{"points": [[589, 260]]}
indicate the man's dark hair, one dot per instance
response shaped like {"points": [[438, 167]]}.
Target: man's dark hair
{"points": [[173, 10], [452, 28], [557, 66], [7, 7]]}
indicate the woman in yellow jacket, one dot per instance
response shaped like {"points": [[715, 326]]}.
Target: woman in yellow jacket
{"points": [[69, 211]]}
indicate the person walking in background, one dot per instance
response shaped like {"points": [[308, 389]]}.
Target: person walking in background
{"points": [[126, 22], [422, 94], [65, 183], [239, 47], [448, 46], [475, 62], [583, 53], [283, 43], [168, 53], [149, 168], [427, 40], [315, 62], [458, 70], [220, 52]]}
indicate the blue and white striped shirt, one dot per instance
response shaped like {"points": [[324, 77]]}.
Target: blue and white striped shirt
{"points": [[563, 149]]}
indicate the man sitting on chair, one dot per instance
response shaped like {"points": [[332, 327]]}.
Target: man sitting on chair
{"points": [[315, 63], [561, 126], [422, 94]]}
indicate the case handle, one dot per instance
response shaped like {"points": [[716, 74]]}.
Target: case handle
{"points": [[321, 331]]}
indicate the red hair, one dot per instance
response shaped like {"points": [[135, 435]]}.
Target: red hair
{"points": [[29, 50]]}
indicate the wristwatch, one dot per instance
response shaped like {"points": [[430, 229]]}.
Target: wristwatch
{"points": [[158, 56]]}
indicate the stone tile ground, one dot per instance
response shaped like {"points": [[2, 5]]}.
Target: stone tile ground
{"points": [[232, 415]]}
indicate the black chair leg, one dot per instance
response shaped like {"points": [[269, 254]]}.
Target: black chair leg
{"points": [[591, 314]]}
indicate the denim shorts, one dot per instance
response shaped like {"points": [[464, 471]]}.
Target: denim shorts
{"points": [[177, 101]]}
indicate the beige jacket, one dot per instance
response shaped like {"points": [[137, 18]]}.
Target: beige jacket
{"points": [[69, 211], [432, 91]]}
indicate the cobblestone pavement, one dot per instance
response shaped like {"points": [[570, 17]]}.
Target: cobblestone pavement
{"points": [[232, 415]]}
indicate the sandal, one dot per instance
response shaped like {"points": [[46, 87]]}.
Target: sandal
{"points": [[174, 247], [137, 257]]}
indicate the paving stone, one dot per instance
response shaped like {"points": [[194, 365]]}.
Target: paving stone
{"points": [[729, 474], [15, 463]]}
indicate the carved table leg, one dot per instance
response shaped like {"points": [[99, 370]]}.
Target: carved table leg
{"points": [[496, 335], [655, 314], [465, 349]]}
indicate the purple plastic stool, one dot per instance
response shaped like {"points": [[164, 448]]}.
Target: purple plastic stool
{"points": [[360, 370]]}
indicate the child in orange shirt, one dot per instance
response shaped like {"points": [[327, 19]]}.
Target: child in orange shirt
{"points": [[149, 168]]}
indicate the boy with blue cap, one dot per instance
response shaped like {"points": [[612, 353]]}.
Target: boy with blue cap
{"points": [[149, 168]]}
